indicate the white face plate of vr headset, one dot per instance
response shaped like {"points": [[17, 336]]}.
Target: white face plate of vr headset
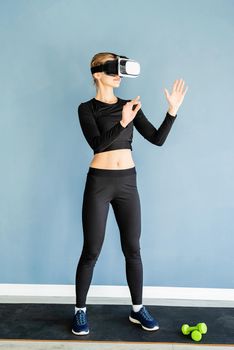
{"points": [[128, 68]]}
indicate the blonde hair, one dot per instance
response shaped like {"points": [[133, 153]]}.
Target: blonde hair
{"points": [[98, 59]]}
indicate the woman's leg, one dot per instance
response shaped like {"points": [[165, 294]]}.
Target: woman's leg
{"points": [[94, 215], [127, 210]]}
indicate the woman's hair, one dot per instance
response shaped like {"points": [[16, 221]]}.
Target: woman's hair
{"points": [[100, 58]]}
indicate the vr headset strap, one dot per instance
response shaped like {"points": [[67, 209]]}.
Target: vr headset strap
{"points": [[100, 67], [97, 68]]}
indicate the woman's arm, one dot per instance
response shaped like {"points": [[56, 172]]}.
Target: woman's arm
{"points": [[148, 130], [98, 142]]}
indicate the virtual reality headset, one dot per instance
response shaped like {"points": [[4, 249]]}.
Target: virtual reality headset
{"points": [[122, 65]]}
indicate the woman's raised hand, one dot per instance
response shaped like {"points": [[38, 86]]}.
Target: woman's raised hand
{"points": [[128, 114], [176, 97]]}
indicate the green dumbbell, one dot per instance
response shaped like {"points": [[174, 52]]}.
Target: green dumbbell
{"points": [[197, 331]]}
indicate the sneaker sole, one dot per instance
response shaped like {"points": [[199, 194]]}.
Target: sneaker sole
{"points": [[133, 320], [80, 333]]}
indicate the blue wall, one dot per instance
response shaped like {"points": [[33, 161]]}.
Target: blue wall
{"points": [[186, 187]]}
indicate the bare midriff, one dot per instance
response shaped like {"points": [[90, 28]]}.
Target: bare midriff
{"points": [[116, 159]]}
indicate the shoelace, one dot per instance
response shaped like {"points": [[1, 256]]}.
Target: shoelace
{"points": [[146, 314], [81, 317]]}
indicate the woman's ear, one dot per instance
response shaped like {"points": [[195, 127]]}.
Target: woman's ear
{"points": [[96, 75]]}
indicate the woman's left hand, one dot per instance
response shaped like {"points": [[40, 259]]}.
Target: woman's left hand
{"points": [[176, 97]]}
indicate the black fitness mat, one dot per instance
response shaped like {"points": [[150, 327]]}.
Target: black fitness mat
{"points": [[110, 323]]}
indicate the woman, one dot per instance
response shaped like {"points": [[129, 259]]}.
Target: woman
{"points": [[107, 124]]}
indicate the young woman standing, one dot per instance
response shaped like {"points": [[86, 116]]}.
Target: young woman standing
{"points": [[107, 124]]}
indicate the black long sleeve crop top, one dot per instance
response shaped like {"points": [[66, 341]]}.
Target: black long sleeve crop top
{"points": [[100, 124]]}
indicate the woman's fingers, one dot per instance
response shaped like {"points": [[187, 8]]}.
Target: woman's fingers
{"points": [[136, 104], [181, 85], [184, 92], [135, 100], [178, 85], [136, 109], [174, 87]]}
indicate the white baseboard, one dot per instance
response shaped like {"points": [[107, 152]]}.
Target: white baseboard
{"points": [[118, 294]]}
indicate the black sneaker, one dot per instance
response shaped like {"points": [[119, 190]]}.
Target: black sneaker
{"points": [[144, 318], [80, 323]]}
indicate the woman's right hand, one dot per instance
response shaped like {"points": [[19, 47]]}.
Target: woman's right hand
{"points": [[128, 114]]}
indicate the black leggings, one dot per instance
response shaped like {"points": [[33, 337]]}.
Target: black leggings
{"points": [[118, 187]]}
